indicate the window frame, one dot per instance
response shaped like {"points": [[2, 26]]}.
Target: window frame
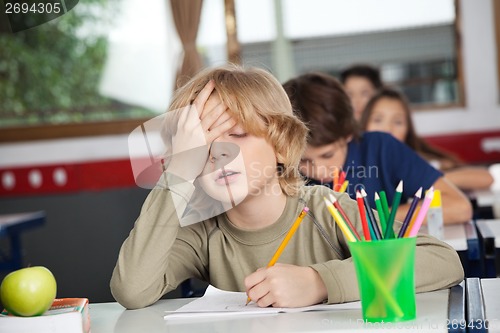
{"points": [[69, 130], [496, 19]]}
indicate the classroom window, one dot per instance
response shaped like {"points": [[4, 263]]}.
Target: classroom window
{"points": [[101, 68], [415, 47], [496, 18]]}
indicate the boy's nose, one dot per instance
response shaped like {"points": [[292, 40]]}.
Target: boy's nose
{"points": [[222, 153]]}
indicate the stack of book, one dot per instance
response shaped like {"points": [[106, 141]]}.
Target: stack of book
{"points": [[66, 315]]}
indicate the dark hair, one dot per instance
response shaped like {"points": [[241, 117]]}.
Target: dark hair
{"points": [[415, 142], [319, 100], [367, 71]]}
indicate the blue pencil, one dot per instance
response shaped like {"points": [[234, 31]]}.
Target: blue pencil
{"points": [[409, 215], [369, 212]]}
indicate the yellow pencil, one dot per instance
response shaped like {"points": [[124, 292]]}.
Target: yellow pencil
{"points": [[344, 186], [285, 240], [336, 216]]}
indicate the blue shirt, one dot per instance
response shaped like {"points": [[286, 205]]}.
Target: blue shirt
{"points": [[378, 162]]}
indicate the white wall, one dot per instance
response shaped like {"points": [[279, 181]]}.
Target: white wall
{"points": [[482, 110]]}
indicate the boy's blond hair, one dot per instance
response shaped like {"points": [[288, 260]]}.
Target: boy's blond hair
{"points": [[259, 104]]}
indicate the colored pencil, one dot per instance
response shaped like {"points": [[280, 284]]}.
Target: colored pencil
{"points": [[362, 214], [409, 215], [370, 225], [337, 205], [369, 212], [342, 177], [336, 179], [381, 214], [410, 226], [385, 205], [285, 240], [340, 222], [421, 214], [344, 186], [389, 232]]}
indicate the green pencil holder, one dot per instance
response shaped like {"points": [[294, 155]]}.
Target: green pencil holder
{"points": [[385, 270]]}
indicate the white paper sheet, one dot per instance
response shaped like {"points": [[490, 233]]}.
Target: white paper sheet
{"points": [[218, 302]]}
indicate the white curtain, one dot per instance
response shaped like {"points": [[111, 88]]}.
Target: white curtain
{"points": [[144, 53]]}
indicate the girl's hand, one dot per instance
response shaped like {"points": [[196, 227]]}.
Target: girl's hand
{"points": [[199, 125], [285, 286]]}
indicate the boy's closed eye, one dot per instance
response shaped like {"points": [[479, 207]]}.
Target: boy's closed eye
{"points": [[238, 135], [328, 155]]}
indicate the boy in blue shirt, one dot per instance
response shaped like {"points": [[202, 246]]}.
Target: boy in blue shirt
{"points": [[375, 160]]}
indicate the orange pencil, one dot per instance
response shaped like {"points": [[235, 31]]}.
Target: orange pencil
{"points": [[336, 184], [410, 226], [285, 240]]}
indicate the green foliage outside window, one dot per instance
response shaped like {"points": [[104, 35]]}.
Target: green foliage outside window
{"points": [[50, 74]]}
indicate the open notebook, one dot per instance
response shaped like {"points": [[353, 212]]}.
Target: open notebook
{"points": [[218, 302]]}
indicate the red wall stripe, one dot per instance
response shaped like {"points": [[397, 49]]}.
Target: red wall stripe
{"points": [[101, 175], [468, 146], [64, 178]]}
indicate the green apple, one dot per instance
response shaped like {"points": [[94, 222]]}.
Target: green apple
{"points": [[28, 291]]}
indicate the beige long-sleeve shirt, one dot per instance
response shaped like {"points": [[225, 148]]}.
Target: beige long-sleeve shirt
{"points": [[159, 254]]}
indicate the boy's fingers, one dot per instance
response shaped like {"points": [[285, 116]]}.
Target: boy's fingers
{"points": [[219, 130], [211, 116], [222, 118], [203, 96], [260, 294], [253, 279]]}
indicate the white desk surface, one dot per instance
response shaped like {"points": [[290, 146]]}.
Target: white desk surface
{"points": [[485, 198], [454, 235], [432, 313], [494, 226], [491, 295]]}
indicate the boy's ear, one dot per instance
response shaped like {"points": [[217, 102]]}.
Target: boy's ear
{"points": [[348, 138]]}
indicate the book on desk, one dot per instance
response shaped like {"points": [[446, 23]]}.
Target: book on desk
{"points": [[66, 315]]}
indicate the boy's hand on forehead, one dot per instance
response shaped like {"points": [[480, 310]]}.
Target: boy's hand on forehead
{"points": [[213, 113], [198, 126]]}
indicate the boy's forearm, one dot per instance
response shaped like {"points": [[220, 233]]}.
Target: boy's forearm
{"points": [[138, 277], [437, 265]]}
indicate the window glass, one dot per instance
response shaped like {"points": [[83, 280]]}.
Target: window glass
{"points": [[102, 61]]}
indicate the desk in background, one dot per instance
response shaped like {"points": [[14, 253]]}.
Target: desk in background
{"points": [[433, 312], [483, 202], [483, 305], [489, 234], [464, 239], [11, 226], [491, 299]]}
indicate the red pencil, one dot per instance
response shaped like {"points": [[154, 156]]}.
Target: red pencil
{"points": [[362, 213], [344, 216], [342, 177]]}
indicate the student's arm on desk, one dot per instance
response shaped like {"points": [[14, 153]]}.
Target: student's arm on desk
{"points": [[152, 261], [437, 265], [470, 177], [457, 208]]}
